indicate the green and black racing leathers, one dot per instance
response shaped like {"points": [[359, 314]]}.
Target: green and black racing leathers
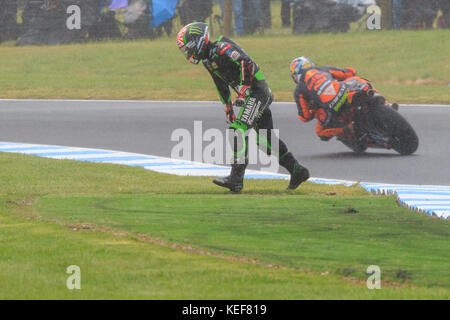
{"points": [[231, 67]]}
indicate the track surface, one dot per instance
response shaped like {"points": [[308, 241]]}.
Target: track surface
{"points": [[146, 127]]}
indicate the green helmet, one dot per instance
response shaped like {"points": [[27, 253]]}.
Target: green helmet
{"points": [[192, 41]]}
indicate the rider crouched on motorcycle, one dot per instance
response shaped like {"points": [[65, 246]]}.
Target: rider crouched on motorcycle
{"points": [[320, 94], [323, 93]]}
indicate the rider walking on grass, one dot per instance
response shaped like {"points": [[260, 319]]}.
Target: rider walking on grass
{"points": [[230, 67]]}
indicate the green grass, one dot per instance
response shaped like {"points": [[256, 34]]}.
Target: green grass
{"points": [[313, 233], [405, 66], [139, 234]]}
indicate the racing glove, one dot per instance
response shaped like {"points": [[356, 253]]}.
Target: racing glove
{"points": [[324, 116], [351, 70], [230, 117]]}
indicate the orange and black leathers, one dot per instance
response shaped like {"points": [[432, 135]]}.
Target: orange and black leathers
{"points": [[320, 94]]}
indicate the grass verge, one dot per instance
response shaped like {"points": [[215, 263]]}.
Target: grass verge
{"points": [[406, 66], [138, 234]]}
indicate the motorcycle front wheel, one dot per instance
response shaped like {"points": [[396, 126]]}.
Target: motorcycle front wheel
{"points": [[403, 138]]}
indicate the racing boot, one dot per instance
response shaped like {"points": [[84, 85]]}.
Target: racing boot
{"points": [[235, 181], [298, 173]]}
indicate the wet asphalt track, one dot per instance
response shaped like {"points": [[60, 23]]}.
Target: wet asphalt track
{"points": [[146, 127]]}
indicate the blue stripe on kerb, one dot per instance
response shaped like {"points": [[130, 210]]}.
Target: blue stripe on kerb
{"points": [[262, 176], [428, 200], [161, 164], [118, 158], [70, 153], [430, 193]]}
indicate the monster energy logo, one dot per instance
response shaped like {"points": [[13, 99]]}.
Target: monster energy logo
{"points": [[196, 30]]}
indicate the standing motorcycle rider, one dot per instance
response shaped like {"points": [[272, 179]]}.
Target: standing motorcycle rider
{"points": [[229, 66]]}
